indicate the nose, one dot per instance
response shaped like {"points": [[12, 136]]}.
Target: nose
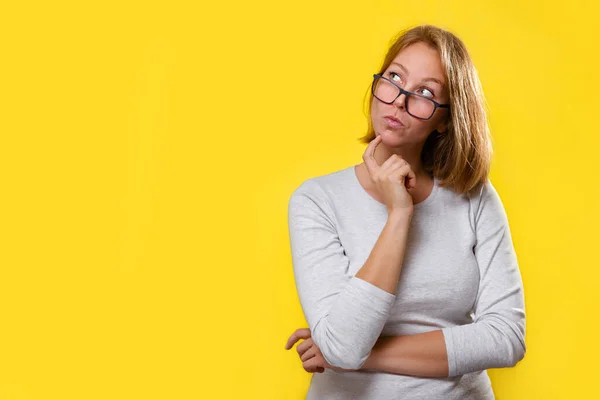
{"points": [[400, 101]]}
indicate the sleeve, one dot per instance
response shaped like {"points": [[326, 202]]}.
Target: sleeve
{"points": [[496, 337], [345, 314]]}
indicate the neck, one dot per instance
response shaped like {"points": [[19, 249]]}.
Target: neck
{"points": [[412, 155]]}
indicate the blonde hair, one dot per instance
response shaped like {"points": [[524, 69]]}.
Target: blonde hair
{"points": [[460, 157]]}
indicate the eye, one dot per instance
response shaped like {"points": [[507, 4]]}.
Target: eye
{"points": [[426, 92], [392, 74]]}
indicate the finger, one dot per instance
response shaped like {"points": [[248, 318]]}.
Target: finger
{"points": [[308, 354], [320, 370], [310, 369], [403, 174], [399, 173], [391, 164], [311, 365], [411, 179], [370, 162], [390, 161], [393, 167], [302, 347], [303, 333]]}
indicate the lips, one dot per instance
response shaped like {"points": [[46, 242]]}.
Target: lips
{"points": [[394, 119]]}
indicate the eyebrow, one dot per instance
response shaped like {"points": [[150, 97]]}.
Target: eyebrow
{"points": [[402, 67]]}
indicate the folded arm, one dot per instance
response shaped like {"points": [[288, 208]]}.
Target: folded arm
{"points": [[346, 313], [495, 338], [422, 355]]}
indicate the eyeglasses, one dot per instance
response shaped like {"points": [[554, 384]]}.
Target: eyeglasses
{"points": [[416, 105]]}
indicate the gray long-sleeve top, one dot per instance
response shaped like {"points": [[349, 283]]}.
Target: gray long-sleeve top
{"points": [[459, 274]]}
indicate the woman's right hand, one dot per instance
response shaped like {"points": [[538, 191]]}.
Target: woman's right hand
{"points": [[393, 178]]}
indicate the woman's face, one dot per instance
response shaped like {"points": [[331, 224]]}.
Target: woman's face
{"points": [[418, 69]]}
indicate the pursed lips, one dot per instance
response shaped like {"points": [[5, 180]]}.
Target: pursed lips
{"points": [[394, 119]]}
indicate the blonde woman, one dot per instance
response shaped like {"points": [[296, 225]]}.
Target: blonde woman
{"points": [[404, 264]]}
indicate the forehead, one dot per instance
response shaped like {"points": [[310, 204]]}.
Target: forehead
{"points": [[421, 61]]}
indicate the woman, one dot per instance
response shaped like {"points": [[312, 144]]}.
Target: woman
{"points": [[404, 264]]}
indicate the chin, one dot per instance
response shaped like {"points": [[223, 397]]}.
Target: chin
{"points": [[389, 136]]}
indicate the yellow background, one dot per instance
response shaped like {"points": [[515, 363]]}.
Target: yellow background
{"points": [[148, 151]]}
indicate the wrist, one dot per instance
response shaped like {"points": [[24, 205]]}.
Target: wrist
{"points": [[400, 215], [372, 360]]}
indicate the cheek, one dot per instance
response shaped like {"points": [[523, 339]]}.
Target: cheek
{"points": [[374, 108], [422, 128], [375, 112]]}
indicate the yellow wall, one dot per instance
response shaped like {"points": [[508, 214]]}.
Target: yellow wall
{"points": [[148, 151]]}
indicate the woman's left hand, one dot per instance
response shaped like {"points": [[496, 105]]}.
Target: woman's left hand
{"points": [[310, 355]]}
